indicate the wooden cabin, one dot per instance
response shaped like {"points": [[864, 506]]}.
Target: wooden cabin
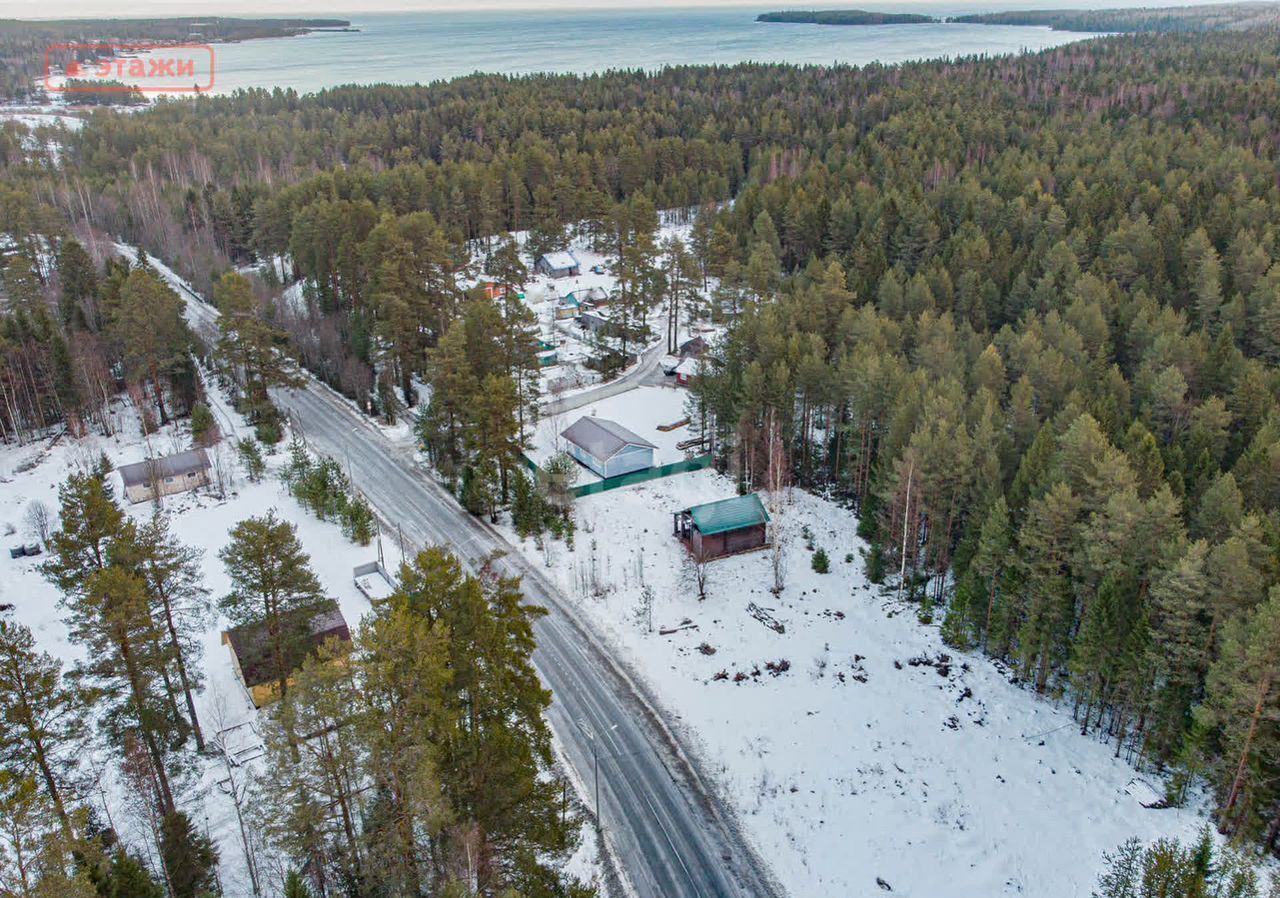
{"points": [[723, 528], [254, 661]]}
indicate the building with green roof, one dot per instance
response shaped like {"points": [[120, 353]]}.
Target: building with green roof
{"points": [[721, 528]]}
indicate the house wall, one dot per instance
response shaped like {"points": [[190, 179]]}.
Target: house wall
{"points": [[586, 458], [633, 458], [729, 542], [168, 486], [557, 273]]}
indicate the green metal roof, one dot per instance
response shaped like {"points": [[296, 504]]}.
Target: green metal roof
{"points": [[729, 514]]}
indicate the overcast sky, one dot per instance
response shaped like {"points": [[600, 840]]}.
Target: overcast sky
{"points": [[352, 8]]}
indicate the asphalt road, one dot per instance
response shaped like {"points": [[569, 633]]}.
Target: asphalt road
{"points": [[666, 827], [670, 833], [645, 371]]}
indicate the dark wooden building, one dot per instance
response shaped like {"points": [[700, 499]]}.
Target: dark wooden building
{"points": [[255, 663], [721, 528]]}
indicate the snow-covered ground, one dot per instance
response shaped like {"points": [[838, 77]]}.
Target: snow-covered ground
{"points": [[641, 411], [572, 344], [33, 472], [878, 753], [42, 124]]}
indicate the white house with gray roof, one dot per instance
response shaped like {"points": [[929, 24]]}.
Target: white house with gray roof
{"points": [[562, 264], [145, 480], [607, 448]]}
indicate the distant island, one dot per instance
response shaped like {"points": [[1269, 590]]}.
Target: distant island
{"points": [[211, 29], [1207, 17], [846, 17], [1215, 17]]}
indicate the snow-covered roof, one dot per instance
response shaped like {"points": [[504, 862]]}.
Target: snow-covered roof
{"points": [[589, 294], [179, 465], [559, 261], [689, 367], [602, 438]]}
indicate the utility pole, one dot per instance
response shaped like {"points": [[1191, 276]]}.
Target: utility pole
{"points": [[595, 762]]}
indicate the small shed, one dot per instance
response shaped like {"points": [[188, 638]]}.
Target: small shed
{"points": [[722, 528], [589, 296], [607, 448], [492, 289], [687, 370], [561, 264], [567, 307], [254, 661], [145, 480]]}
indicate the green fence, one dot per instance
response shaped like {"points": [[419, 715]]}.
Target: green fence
{"points": [[613, 483]]}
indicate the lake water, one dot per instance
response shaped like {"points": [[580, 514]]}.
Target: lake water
{"points": [[407, 48]]}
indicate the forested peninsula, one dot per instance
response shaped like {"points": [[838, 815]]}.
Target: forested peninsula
{"points": [[1216, 17], [844, 17]]}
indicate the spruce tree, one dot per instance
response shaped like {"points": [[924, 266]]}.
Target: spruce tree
{"points": [[189, 857], [1179, 650], [1047, 540], [1242, 704]]}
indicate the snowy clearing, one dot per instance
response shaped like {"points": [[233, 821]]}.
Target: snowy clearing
{"points": [[642, 411], [33, 472], [863, 752]]}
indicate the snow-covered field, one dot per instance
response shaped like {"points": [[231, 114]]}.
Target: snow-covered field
{"points": [[33, 472], [641, 411], [878, 754]]}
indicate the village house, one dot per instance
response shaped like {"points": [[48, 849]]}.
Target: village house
{"points": [[687, 370], [145, 480], [492, 290], [548, 355], [562, 264], [723, 528], [607, 448], [596, 323], [567, 307], [694, 348], [589, 297], [253, 660]]}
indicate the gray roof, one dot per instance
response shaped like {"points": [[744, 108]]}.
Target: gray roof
{"points": [[140, 473], [558, 261], [602, 438]]}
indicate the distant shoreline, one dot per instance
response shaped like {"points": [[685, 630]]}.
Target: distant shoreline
{"points": [[845, 17]]}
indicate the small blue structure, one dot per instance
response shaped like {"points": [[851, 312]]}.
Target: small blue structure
{"points": [[607, 448]]}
